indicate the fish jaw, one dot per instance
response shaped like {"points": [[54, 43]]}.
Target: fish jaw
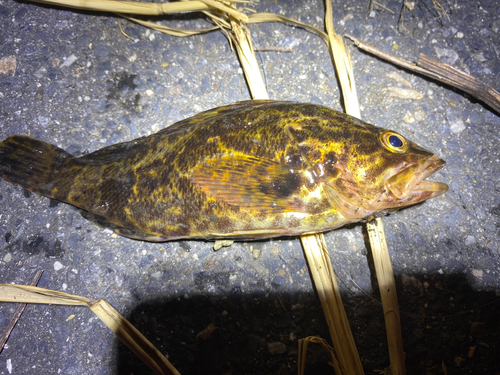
{"points": [[406, 187], [410, 184]]}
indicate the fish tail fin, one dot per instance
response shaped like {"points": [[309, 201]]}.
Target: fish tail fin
{"points": [[32, 164]]}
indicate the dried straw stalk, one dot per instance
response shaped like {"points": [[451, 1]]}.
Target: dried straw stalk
{"points": [[17, 314], [387, 287], [130, 336], [304, 343], [343, 66], [147, 9], [317, 255], [243, 43]]}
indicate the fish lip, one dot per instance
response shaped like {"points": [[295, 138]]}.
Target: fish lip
{"points": [[411, 181]]}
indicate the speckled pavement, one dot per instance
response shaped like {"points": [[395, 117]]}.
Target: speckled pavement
{"points": [[81, 85]]}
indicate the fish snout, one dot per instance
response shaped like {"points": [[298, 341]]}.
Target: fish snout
{"points": [[411, 181]]}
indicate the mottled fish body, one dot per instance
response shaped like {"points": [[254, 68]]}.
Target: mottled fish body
{"points": [[254, 169]]}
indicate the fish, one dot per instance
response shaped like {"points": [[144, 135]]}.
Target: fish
{"points": [[250, 170]]}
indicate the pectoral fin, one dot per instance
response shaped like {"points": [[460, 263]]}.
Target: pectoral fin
{"points": [[250, 183]]}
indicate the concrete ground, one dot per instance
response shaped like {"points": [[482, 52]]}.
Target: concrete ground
{"points": [[81, 85]]}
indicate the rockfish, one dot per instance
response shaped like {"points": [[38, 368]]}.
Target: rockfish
{"points": [[254, 169]]}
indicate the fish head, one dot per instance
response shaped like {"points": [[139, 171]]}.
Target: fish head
{"points": [[370, 170]]}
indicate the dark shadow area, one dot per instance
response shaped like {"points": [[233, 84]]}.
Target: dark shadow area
{"points": [[443, 320], [251, 334]]}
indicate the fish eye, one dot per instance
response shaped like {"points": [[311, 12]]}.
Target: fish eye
{"points": [[394, 142]]}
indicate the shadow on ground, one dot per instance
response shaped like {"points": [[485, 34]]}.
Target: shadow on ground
{"points": [[444, 322]]}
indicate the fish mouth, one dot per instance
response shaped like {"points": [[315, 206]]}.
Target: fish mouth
{"points": [[409, 184]]}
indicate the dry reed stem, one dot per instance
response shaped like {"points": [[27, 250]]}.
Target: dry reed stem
{"points": [[330, 352], [387, 287], [129, 7], [17, 314], [343, 66], [313, 245], [324, 278], [147, 9], [439, 71], [166, 29], [271, 17], [243, 44], [33, 294], [134, 339], [130, 336]]}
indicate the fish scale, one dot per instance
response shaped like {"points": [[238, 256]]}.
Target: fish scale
{"points": [[253, 169]]}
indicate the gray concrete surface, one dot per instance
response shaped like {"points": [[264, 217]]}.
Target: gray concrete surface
{"points": [[81, 85]]}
